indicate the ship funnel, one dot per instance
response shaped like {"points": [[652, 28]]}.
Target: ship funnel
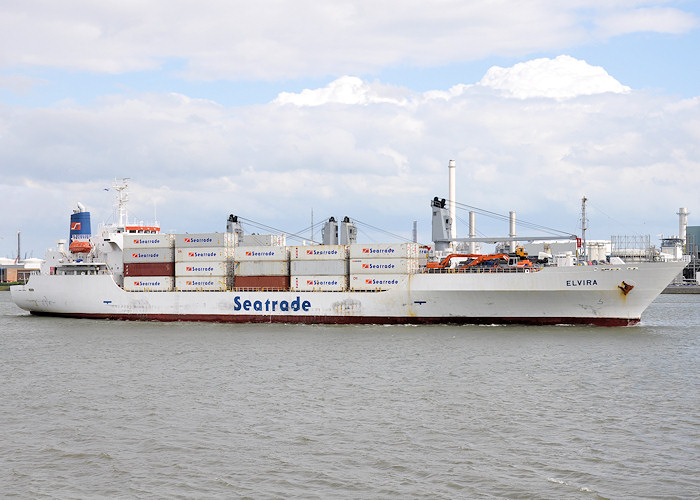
{"points": [[348, 232], [329, 232], [80, 231]]}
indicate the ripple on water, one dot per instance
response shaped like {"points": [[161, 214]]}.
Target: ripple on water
{"points": [[117, 409]]}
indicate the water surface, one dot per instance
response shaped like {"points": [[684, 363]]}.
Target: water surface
{"points": [[94, 408]]}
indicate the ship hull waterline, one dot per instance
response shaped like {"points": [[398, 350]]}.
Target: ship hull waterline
{"points": [[592, 295], [344, 320]]}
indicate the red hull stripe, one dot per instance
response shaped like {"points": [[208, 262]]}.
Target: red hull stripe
{"points": [[353, 320]]}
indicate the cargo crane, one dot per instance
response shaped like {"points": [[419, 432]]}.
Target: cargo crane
{"points": [[519, 259]]}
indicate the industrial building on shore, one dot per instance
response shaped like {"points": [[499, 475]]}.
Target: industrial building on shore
{"points": [[18, 271]]}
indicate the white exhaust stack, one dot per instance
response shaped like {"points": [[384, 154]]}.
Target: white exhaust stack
{"points": [[512, 231], [682, 223], [472, 231], [453, 208]]}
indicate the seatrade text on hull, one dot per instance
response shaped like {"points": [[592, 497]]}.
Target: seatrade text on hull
{"points": [[271, 305], [258, 278]]}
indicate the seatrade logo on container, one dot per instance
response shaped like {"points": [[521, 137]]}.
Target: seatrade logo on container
{"points": [[198, 240], [254, 253], [378, 266], [328, 282], [202, 254], [139, 255], [313, 251], [376, 281], [146, 283], [378, 250], [198, 269], [200, 282]]}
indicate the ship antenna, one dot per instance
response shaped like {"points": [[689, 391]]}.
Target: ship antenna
{"points": [[584, 226], [122, 198]]}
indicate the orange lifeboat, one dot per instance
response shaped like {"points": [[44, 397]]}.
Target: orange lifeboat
{"points": [[80, 246]]}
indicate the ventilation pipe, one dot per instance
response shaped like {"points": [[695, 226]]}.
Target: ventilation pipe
{"points": [[453, 196], [682, 223], [472, 231]]}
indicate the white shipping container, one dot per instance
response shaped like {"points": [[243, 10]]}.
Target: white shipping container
{"points": [[148, 255], [318, 252], [204, 283], [148, 283], [261, 268], [203, 240], [375, 281], [384, 250], [319, 283], [318, 267], [203, 254], [263, 240], [219, 268], [260, 253], [160, 240], [383, 266]]}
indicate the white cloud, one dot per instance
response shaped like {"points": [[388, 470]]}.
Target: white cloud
{"points": [[344, 90], [357, 153], [561, 78], [222, 39]]}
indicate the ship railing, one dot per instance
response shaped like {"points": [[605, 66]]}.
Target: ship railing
{"points": [[260, 289], [481, 270]]}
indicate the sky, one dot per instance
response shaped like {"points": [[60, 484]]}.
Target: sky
{"points": [[284, 112]]}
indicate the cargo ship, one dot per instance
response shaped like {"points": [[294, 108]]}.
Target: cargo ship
{"points": [[129, 271]]}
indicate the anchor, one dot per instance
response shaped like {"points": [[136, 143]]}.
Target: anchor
{"points": [[625, 287]]}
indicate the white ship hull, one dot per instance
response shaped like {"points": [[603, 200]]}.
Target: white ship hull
{"points": [[551, 295]]}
